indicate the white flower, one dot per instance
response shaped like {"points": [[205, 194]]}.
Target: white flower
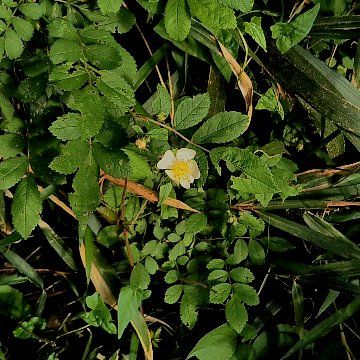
{"points": [[181, 168]]}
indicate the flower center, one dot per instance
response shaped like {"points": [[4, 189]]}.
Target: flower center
{"points": [[181, 169]]}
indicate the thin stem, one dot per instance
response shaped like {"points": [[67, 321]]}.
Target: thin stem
{"points": [[167, 127]]}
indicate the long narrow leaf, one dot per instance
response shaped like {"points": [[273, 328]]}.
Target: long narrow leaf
{"points": [[339, 246]]}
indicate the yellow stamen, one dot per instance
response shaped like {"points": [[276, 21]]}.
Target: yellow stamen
{"points": [[181, 169]]}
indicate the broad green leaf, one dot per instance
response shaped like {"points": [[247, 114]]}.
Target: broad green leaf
{"points": [[109, 6], [178, 250], [254, 29], [112, 85], [241, 274], [140, 169], [256, 252], [31, 10], [13, 44], [11, 145], [222, 128], [173, 293], [215, 264], [67, 127], [161, 105], [64, 50], [13, 304], [191, 111], [23, 28], [188, 311], [171, 277], [114, 162], [213, 14], [22, 266], [26, 207], [269, 101], [99, 314], [140, 278], [11, 171], [151, 265], [218, 275], [339, 246], [247, 294], [86, 195], [177, 19], [325, 326], [67, 77], [6, 107], [289, 34], [195, 223], [219, 293], [103, 56], [72, 156], [236, 314], [63, 29], [164, 192], [128, 304], [221, 340], [240, 253]]}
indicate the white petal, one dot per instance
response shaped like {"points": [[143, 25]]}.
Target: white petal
{"points": [[167, 161], [171, 175], [195, 172], [185, 154], [185, 182]]}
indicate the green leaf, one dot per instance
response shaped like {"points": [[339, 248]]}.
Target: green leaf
{"points": [[140, 169], [13, 304], [221, 340], [11, 145], [195, 223], [191, 111], [67, 77], [247, 294], [64, 50], [86, 195], [215, 264], [171, 277], [140, 278], [6, 107], [31, 10], [240, 253], [338, 245], [269, 101], [99, 314], [63, 29], [164, 192], [289, 34], [13, 44], [26, 328], [58, 245], [109, 6], [151, 265], [177, 19], [162, 103], [173, 293], [188, 312], [222, 128], [67, 127], [128, 304], [236, 314], [256, 252], [325, 326], [11, 171], [114, 162], [241, 274], [112, 85], [254, 29], [219, 293], [213, 14], [23, 28], [72, 156], [26, 207], [103, 56], [22, 266], [218, 275], [178, 250]]}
